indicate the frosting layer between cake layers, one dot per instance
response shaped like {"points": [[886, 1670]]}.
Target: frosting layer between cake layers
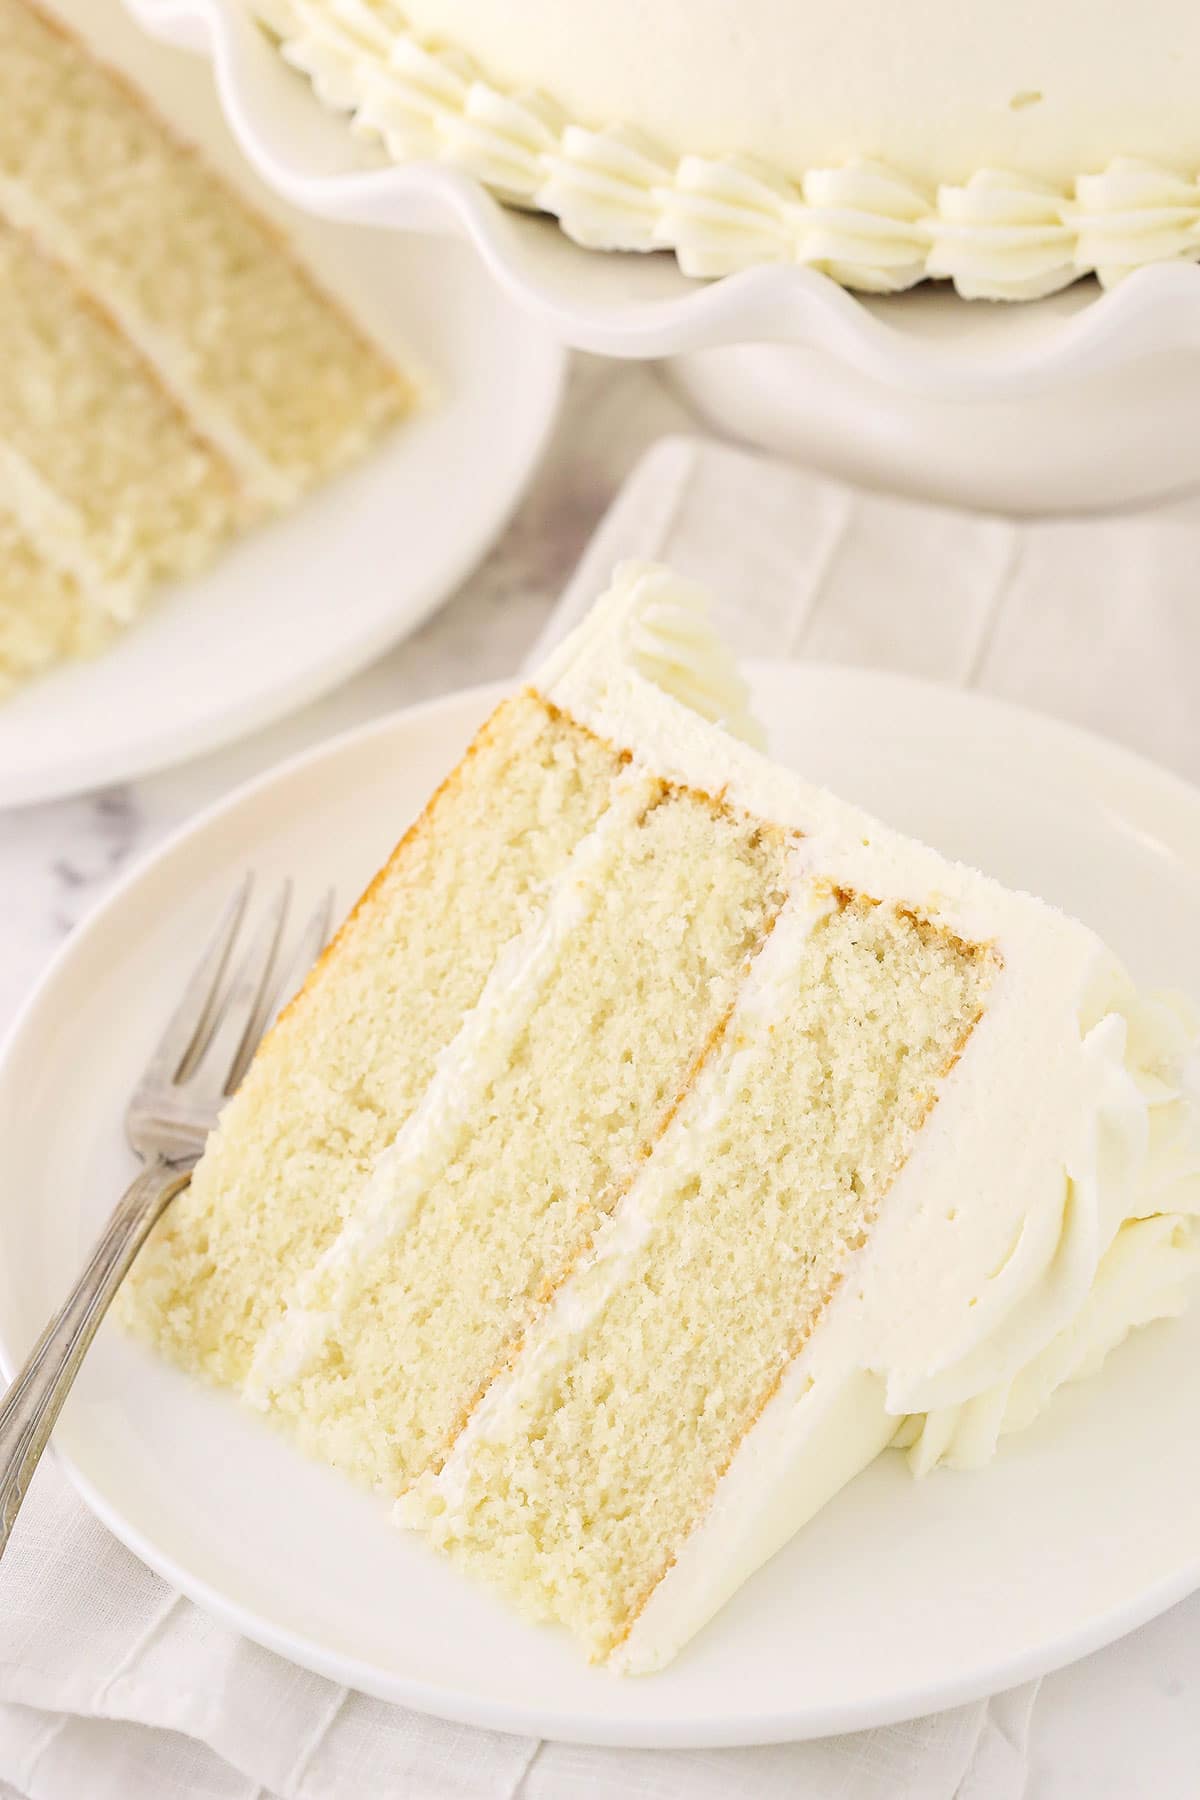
{"points": [[1038, 1218], [1009, 155]]}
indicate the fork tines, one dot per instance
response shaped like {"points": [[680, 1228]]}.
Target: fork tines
{"points": [[219, 1023]]}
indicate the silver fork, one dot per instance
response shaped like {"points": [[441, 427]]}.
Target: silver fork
{"points": [[203, 1054]]}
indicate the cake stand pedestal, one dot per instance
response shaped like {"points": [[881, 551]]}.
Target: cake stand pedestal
{"points": [[1100, 442]]}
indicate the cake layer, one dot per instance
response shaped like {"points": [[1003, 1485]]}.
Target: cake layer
{"points": [[1011, 151], [107, 477], [662, 1353], [44, 616], [269, 369], [347, 1063], [537, 1121]]}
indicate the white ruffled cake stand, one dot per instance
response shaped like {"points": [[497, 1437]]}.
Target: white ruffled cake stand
{"points": [[1084, 400]]}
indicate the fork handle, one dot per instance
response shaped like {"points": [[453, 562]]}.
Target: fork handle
{"points": [[32, 1404]]}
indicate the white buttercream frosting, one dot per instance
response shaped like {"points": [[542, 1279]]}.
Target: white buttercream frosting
{"points": [[1050, 1204], [996, 234], [1002, 237], [665, 640], [1131, 215]]}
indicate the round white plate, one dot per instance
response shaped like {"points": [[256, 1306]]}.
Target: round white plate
{"points": [[301, 604], [1085, 400], [902, 1597]]}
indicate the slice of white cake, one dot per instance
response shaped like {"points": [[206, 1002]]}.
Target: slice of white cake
{"points": [[169, 373], [271, 372], [108, 478], [660, 1139]]}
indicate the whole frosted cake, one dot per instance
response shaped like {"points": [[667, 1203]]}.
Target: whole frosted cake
{"points": [[661, 1129], [1010, 148]]}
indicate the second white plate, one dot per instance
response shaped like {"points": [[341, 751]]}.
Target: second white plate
{"points": [[301, 604], [902, 1597]]}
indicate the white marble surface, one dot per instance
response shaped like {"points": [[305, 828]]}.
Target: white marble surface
{"points": [[1124, 1723]]}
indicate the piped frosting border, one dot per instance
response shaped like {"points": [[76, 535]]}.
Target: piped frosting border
{"points": [[998, 236]]}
